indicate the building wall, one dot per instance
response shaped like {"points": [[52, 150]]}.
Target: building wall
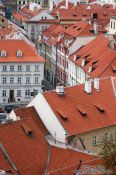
{"points": [[89, 137], [23, 84], [3, 22], [79, 42]]}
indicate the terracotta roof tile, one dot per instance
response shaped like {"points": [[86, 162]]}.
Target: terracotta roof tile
{"points": [[29, 52], [75, 96], [30, 153]]}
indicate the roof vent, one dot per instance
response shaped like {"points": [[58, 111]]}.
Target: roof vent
{"points": [[62, 114], [100, 108], [96, 84], [60, 89], [3, 53], [88, 86], [19, 53], [27, 130], [83, 63], [81, 110]]}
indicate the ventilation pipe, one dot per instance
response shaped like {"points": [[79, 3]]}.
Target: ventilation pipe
{"points": [[88, 84], [96, 84], [66, 4]]}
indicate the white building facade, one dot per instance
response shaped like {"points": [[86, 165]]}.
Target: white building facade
{"points": [[20, 77]]}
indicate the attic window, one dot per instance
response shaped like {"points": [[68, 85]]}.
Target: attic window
{"points": [[94, 62], [79, 28], [19, 53], [100, 108], [84, 14], [91, 30], [113, 68], [74, 14], [74, 27], [81, 110], [27, 130], [3, 53], [62, 115]]}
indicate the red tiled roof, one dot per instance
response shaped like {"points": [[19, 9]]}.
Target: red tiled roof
{"points": [[99, 55], [30, 153], [20, 17], [28, 12], [29, 53], [74, 96], [84, 11]]}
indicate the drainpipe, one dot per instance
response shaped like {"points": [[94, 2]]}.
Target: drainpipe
{"points": [[65, 67], [45, 62], [56, 65], [48, 160]]}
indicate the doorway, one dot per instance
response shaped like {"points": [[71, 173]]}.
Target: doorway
{"points": [[11, 96]]}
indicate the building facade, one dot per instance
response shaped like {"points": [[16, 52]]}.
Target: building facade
{"points": [[21, 73]]}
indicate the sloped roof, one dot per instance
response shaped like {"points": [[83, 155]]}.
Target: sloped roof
{"points": [[29, 52], [76, 96], [99, 56], [30, 153]]}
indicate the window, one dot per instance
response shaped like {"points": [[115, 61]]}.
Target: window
{"points": [[12, 68], [4, 93], [36, 68], [111, 24], [94, 140], [19, 80], [19, 68], [11, 79], [27, 93], [2, 20], [18, 93], [4, 68], [4, 80], [27, 68], [27, 80], [36, 79], [106, 136]]}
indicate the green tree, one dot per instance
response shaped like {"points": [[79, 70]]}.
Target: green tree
{"points": [[108, 154]]}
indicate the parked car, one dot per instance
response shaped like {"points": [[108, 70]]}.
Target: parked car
{"points": [[9, 108]]}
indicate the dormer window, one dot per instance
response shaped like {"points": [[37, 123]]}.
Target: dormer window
{"points": [[3, 53], [19, 53]]}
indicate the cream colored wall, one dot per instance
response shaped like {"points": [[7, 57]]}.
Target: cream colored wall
{"points": [[100, 133]]}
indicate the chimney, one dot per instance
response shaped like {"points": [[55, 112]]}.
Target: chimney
{"points": [[95, 27], [75, 57], [96, 84], [88, 84], [66, 4], [90, 69], [60, 89], [83, 63]]}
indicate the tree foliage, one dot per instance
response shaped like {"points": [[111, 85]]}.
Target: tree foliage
{"points": [[108, 154]]}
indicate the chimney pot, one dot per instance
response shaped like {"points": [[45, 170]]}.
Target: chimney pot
{"points": [[83, 63], [60, 89], [96, 84], [88, 84]]}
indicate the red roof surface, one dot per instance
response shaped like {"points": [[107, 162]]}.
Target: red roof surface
{"points": [[30, 153], [76, 96], [29, 52], [84, 11], [20, 17], [99, 55]]}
